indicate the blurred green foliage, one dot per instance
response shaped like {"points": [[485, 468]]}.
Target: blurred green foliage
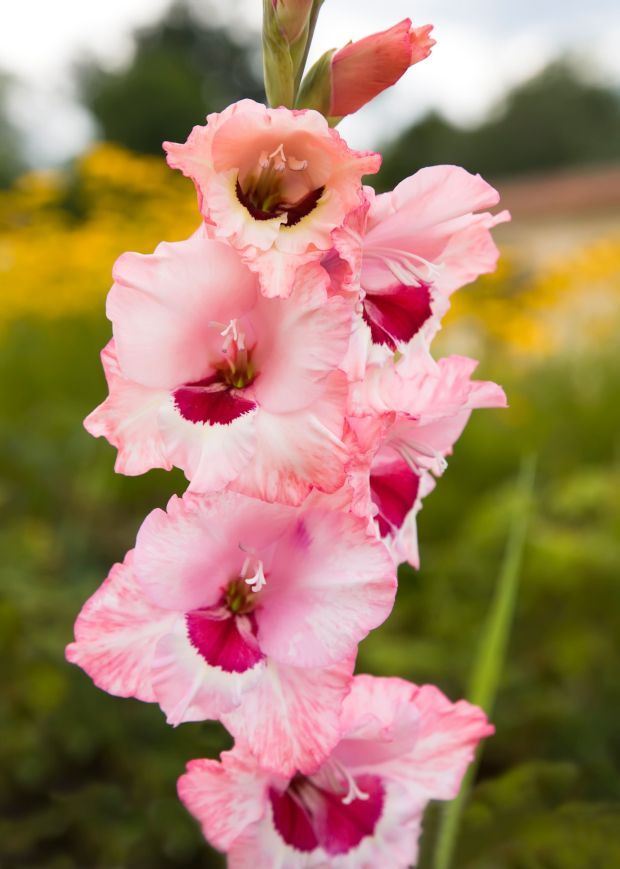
{"points": [[88, 780], [181, 69], [556, 119]]}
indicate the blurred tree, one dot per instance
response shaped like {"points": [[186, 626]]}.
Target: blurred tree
{"points": [[553, 120], [180, 70], [11, 162]]}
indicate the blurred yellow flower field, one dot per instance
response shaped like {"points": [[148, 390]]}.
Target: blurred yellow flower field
{"points": [[62, 233]]}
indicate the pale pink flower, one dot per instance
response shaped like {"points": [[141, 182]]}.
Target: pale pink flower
{"points": [[363, 69], [274, 183], [405, 418], [421, 242], [400, 746], [207, 374], [233, 609]]}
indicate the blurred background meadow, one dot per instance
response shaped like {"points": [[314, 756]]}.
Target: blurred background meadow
{"points": [[87, 781]]}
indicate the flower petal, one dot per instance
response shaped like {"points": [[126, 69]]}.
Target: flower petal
{"points": [[116, 634], [186, 556], [128, 419], [299, 451], [210, 455], [187, 688], [225, 797], [331, 583], [166, 307], [289, 721]]}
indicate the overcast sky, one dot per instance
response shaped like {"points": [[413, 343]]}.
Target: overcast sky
{"points": [[483, 47]]}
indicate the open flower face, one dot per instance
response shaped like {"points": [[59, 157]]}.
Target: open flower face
{"points": [[422, 241], [405, 418], [274, 183], [207, 374], [400, 746], [248, 612]]}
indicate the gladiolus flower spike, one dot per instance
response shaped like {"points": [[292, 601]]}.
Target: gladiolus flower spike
{"points": [[281, 357]]}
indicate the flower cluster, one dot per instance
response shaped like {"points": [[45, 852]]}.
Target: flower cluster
{"points": [[280, 357]]}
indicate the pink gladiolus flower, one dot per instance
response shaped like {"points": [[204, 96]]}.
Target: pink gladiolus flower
{"points": [[274, 183], [362, 70], [243, 611], [207, 374], [423, 241], [405, 419], [400, 746]]}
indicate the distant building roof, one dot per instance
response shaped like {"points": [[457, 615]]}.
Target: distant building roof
{"points": [[569, 192]]}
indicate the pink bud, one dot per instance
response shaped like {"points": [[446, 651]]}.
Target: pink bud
{"points": [[362, 70]]}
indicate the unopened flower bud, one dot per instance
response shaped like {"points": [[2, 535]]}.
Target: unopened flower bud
{"points": [[292, 17], [287, 29], [343, 81]]}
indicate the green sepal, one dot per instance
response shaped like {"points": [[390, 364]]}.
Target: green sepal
{"points": [[316, 88]]}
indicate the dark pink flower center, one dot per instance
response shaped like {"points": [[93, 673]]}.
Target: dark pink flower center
{"points": [[309, 816], [397, 314], [225, 635], [266, 210], [212, 400], [279, 184], [394, 490]]}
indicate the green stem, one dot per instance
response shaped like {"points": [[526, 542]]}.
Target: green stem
{"points": [[314, 14], [491, 654]]}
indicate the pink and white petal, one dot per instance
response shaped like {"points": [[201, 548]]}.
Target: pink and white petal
{"points": [[211, 456], [187, 688], [409, 734], [163, 307], [299, 341], [276, 270], [454, 391], [290, 720], [379, 724], [260, 846], [296, 452], [448, 736], [128, 420], [425, 390], [344, 261], [186, 555], [424, 210], [116, 634], [225, 798], [470, 253], [331, 583]]}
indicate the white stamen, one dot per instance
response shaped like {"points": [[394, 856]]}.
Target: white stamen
{"points": [[258, 579], [230, 329], [406, 265], [297, 165], [233, 336], [408, 451], [279, 158], [335, 772]]}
